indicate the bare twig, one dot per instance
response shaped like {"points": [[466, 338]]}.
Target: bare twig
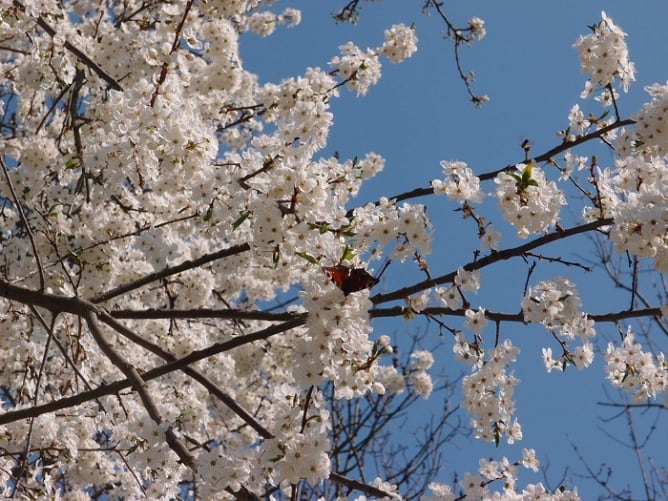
{"points": [[460, 36]]}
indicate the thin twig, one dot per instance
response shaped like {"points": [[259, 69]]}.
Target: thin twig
{"points": [[19, 209], [459, 36], [171, 270]]}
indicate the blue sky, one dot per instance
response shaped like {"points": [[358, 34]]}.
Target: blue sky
{"points": [[419, 114]]}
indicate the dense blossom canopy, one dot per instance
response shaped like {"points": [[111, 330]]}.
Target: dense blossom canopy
{"points": [[146, 170]]}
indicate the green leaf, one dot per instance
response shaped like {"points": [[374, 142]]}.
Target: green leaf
{"points": [[209, 213], [71, 164], [244, 215], [308, 257], [348, 253], [526, 173]]}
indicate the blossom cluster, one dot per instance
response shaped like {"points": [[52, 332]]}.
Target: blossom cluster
{"points": [[337, 345], [300, 447], [528, 200], [635, 194], [407, 226], [637, 371], [488, 393], [460, 183], [651, 133], [604, 54], [556, 304], [419, 378], [265, 23], [481, 485], [362, 69], [400, 43]]}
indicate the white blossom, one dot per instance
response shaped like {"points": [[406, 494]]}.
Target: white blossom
{"points": [[400, 43], [605, 56]]}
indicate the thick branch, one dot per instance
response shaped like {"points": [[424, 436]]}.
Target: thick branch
{"points": [[399, 311], [139, 385], [231, 314], [53, 303], [179, 364], [195, 374]]}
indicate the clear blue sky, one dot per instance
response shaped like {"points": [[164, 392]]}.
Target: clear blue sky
{"points": [[419, 114]]}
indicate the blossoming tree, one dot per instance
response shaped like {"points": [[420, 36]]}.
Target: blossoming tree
{"points": [[157, 199]]}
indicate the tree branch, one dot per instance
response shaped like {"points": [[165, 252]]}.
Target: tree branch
{"points": [[171, 270], [139, 385], [178, 364], [80, 55], [193, 373], [490, 259], [231, 314]]}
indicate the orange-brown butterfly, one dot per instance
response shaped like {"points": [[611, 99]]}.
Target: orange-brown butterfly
{"points": [[352, 279]]}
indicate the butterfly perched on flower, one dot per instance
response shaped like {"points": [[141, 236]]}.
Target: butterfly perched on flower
{"points": [[352, 279]]}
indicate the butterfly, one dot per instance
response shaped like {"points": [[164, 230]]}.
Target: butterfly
{"points": [[352, 279]]}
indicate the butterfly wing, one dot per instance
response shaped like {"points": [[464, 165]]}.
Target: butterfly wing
{"points": [[358, 279], [350, 280], [338, 274]]}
